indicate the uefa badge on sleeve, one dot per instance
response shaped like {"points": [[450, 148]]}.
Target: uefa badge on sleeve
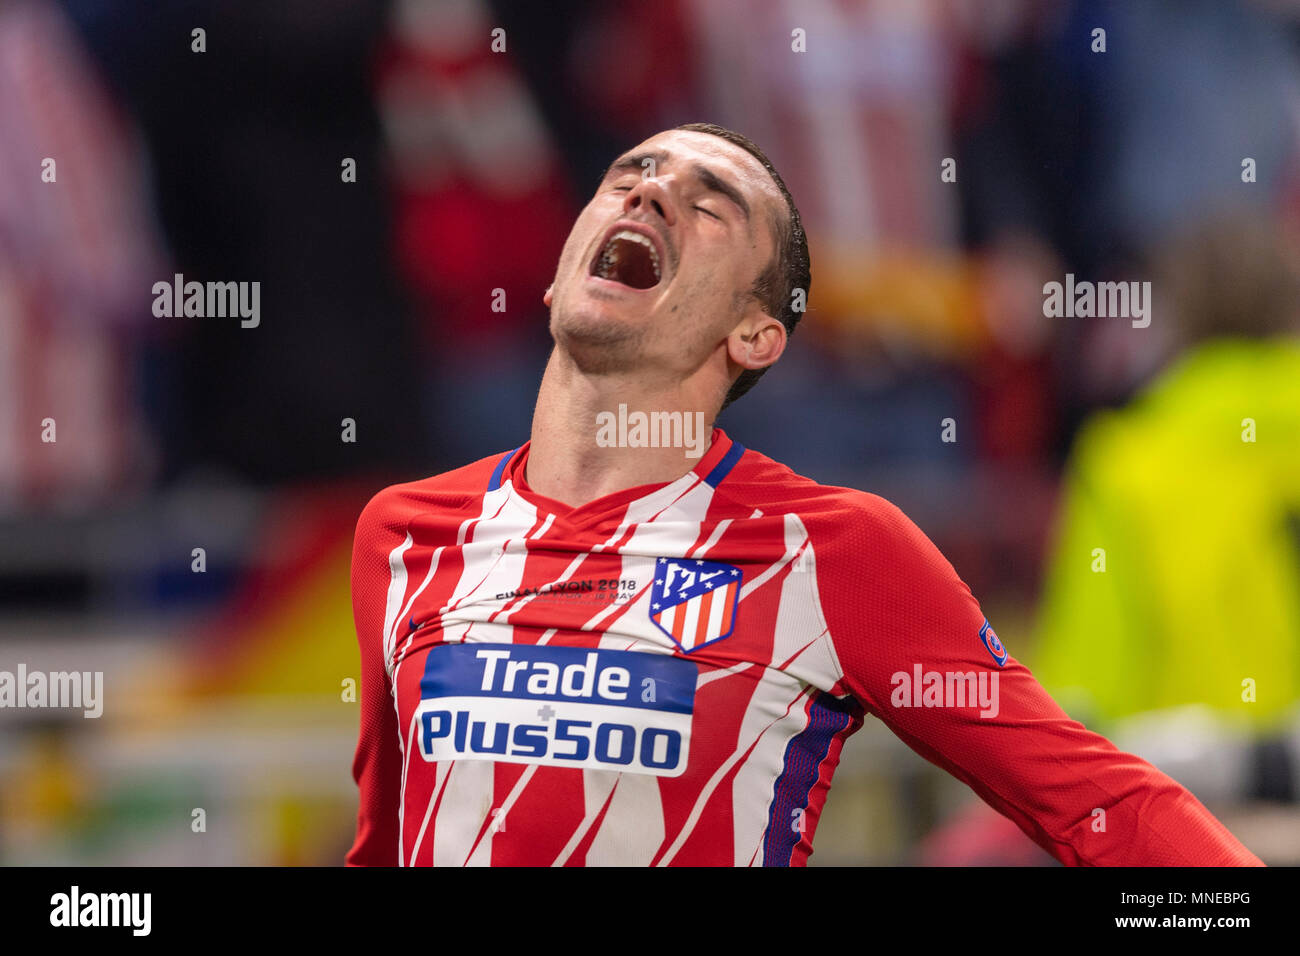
{"points": [[990, 640], [695, 602]]}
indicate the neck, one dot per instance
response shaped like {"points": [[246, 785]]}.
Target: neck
{"points": [[578, 454]]}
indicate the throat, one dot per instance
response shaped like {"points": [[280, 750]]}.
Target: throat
{"points": [[594, 436]]}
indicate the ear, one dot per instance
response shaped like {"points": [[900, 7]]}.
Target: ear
{"points": [[757, 341], [546, 296]]}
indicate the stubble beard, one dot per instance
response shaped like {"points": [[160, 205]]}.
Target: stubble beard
{"points": [[597, 345]]}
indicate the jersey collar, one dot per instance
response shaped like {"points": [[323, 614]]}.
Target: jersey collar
{"points": [[712, 468]]}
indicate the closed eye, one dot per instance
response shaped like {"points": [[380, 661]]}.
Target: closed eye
{"points": [[707, 212]]}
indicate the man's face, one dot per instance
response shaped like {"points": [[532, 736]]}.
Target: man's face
{"points": [[656, 271]]}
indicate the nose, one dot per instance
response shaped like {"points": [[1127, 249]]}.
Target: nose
{"points": [[650, 195]]}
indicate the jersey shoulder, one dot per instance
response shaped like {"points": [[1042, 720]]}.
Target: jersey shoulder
{"points": [[458, 492], [870, 563], [856, 537], [831, 514]]}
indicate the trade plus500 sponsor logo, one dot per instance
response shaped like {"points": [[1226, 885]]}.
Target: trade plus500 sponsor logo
{"points": [[557, 706]]}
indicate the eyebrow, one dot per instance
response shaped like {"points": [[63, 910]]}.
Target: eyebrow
{"points": [[635, 162], [707, 178]]}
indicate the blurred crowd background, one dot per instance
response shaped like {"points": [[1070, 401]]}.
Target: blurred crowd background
{"points": [[1175, 448]]}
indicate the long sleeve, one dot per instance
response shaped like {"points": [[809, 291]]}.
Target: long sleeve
{"points": [[377, 766], [896, 610]]}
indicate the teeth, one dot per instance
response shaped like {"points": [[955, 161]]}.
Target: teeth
{"points": [[606, 266]]}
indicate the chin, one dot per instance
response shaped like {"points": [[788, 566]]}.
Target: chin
{"points": [[598, 341]]}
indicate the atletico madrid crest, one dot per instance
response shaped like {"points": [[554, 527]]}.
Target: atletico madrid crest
{"points": [[695, 602]]}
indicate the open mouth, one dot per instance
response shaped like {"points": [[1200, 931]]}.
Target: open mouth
{"points": [[629, 258]]}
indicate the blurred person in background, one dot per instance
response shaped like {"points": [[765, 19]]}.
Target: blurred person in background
{"points": [[1170, 618], [1175, 581], [78, 249]]}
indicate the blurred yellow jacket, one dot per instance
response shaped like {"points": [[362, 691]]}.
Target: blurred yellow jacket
{"points": [[1175, 577]]}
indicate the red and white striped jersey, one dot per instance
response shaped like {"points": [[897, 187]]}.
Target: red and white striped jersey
{"points": [[666, 675]]}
